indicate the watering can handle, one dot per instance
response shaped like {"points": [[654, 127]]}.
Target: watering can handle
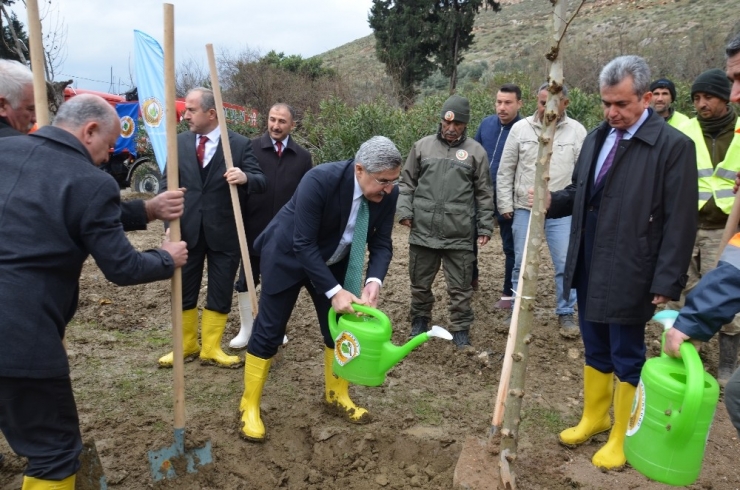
{"points": [[368, 310], [684, 425]]}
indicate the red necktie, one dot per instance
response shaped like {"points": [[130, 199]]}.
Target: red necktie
{"points": [[279, 145], [200, 152]]}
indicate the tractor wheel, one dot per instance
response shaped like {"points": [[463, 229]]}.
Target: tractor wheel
{"points": [[146, 178]]}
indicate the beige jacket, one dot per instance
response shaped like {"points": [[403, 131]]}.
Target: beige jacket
{"points": [[516, 172]]}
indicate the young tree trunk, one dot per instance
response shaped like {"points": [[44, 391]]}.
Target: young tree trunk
{"points": [[527, 287]]}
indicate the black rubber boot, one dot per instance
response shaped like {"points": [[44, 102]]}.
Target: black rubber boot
{"points": [[728, 346], [419, 324], [461, 339]]}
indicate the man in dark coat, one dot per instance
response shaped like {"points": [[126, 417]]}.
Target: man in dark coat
{"points": [[208, 224], [18, 115], [633, 204], [312, 243], [56, 209], [284, 163]]}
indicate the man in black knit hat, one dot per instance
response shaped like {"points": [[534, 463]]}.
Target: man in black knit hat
{"points": [[445, 179], [718, 160], [664, 95]]}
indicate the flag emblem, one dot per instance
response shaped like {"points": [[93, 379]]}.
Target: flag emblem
{"points": [[152, 112]]}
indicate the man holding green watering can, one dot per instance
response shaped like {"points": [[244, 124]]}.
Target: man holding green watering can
{"points": [[716, 298], [318, 241]]}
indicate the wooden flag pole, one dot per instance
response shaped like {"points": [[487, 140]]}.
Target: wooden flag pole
{"points": [[230, 164]]}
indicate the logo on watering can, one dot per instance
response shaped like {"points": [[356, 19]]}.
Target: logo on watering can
{"points": [[346, 348], [638, 410]]}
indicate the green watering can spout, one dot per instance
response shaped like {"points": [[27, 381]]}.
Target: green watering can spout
{"points": [[392, 354], [363, 351]]}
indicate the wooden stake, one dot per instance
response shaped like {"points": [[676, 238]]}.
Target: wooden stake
{"points": [[229, 164]]}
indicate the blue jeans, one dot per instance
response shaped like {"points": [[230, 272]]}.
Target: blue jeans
{"points": [[507, 243], [557, 233]]}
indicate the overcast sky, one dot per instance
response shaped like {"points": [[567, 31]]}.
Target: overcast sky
{"points": [[100, 32]]}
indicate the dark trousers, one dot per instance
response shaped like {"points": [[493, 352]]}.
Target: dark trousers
{"points": [[39, 420], [222, 267], [610, 347], [273, 316], [507, 241], [241, 283]]}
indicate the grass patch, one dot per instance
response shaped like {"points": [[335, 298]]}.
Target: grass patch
{"points": [[546, 419]]}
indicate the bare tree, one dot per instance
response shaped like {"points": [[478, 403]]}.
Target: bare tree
{"points": [[54, 36], [190, 74]]}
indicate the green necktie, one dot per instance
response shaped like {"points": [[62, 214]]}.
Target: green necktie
{"points": [[353, 277]]}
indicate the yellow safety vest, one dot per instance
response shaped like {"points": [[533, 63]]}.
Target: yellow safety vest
{"points": [[678, 119], [717, 182]]}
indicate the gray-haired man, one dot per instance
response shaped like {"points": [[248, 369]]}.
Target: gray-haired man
{"points": [[308, 245], [634, 218]]}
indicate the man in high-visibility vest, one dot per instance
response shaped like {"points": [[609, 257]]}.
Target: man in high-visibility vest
{"points": [[718, 160], [664, 95]]}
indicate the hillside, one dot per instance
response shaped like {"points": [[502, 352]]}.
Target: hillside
{"points": [[680, 38]]}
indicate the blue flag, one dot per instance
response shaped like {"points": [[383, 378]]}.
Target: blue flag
{"points": [[128, 113], [149, 71]]}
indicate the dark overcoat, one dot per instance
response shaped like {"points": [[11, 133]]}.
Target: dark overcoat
{"points": [[637, 231], [283, 175], [56, 208]]}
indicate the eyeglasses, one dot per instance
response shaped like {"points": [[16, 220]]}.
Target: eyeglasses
{"points": [[386, 183]]}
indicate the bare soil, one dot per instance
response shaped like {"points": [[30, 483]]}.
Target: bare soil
{"points": [[429, 405]]}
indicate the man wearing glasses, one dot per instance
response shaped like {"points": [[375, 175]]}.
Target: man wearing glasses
{"points": [[318, 241], [443, 182]]}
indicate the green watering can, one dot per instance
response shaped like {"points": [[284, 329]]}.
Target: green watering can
{"points": [[363, 351], [671, 414]]}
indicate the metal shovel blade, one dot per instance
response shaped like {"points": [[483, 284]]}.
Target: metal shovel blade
{"points": [[90, 474], [169, 461]]}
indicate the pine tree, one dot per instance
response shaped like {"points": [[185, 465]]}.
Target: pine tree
{"points": [[403, 42], [413, 37], [453, 32]]}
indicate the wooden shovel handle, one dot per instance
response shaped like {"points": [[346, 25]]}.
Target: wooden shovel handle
{"points": [[229, 164], [173, 183]]}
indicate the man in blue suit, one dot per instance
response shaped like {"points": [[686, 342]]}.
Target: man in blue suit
{"points": [[308, 245]]}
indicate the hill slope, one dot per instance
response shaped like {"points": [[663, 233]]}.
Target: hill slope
{"points": [[680, 38]]}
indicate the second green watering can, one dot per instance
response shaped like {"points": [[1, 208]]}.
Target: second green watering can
{"points": [[671, 414], [363, 351]]}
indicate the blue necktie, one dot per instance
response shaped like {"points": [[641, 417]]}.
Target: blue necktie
{"points": [[353, 277]]}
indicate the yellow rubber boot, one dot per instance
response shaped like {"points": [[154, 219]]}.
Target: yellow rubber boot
{"points": [[213, 324], [190, 346], [597, 398], [255, 375], [337, 393], [30, 483], [611, 456]]}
